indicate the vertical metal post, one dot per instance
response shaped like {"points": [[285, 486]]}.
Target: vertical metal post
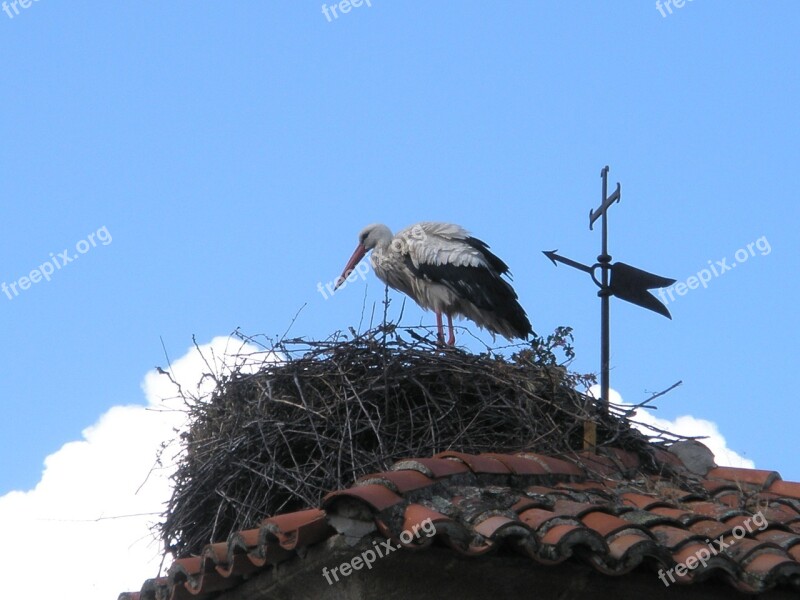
{"points": [[605, 260]]}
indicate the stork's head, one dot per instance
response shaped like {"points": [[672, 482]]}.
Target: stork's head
{"points": [[370, 236]]}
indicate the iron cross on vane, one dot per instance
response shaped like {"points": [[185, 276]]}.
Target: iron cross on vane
{"points": [[617, 279], [607, 202]]}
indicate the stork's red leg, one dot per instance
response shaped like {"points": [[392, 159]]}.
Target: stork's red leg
{"points": [[451, 340], [440, 328]]}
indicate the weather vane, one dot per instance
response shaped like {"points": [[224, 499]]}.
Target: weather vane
{"points": [[617, 279]]}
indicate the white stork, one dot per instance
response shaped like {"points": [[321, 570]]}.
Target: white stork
{"points": [[444, 269]]}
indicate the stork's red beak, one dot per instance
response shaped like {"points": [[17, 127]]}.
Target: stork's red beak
{"points": [[351, 264]]}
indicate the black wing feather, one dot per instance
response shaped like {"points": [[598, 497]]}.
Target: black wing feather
{"points": [[494, 261], [483, 287]]}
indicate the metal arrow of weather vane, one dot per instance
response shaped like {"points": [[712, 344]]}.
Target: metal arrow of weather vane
{"points": [[617, 279]]}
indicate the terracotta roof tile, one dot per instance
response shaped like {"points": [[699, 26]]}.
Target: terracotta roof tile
{"points": [[678, 514], [784, 539], [254, 544], [226, 562], [298, 529], [597, 465], [491, 526], [648, 519], [776, 512], [713, 486], [666, 457], [536, 517], [690, 554], [563, 537], [668, 492], [606, 524], [432, 467], [643, 501], [786, 488], [521, 465], [577, 509], [729, 498], [551, 509], [711, 509], [710, 528], [628, 550], [400, 482], [554, 465], [674, 538], [549, 492], [765, 568], [628, 460], [526, 502], [752, 476], [377, 496], [583, 486], [478, 464], [415, 515]]}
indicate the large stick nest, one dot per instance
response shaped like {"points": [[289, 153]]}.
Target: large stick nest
{"points": [[279, 439]]}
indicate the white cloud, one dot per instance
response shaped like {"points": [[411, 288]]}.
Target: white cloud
{"points": [[86, 526], [685, 425]]}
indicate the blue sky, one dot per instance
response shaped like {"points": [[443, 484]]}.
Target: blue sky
{"points": [[232, 151]]}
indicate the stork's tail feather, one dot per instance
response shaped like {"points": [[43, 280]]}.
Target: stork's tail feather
{"points": [[521, 324], [516, 321]]}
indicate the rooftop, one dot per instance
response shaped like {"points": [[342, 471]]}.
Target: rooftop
{"points": [[721, 529]]}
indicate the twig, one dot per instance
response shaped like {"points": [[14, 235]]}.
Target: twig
{"points": [[632, 409]]}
